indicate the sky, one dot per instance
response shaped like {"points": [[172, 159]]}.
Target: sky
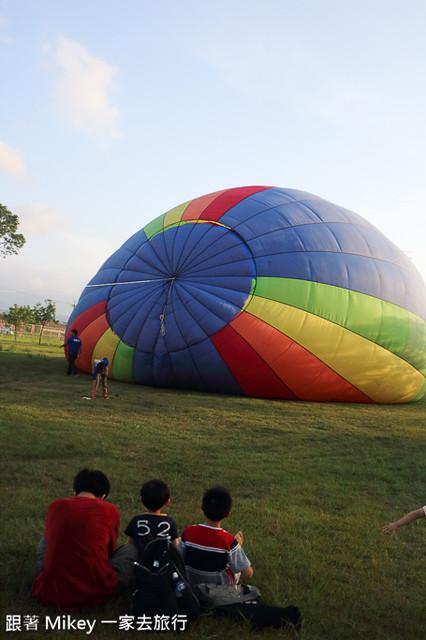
{"points": [[114, 111]]}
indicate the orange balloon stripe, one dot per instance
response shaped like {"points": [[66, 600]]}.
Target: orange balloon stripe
{"points": [[196, 207], [89, 337], [87, 316], [307, 376]]}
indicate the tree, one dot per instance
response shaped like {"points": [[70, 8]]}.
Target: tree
{"points": [[18, 316], [44, 314], [10, 241]]}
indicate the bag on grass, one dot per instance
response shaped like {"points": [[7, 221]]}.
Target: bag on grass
{"points": [[262, 615], [214, 595], [243, 602], [161, 584]]}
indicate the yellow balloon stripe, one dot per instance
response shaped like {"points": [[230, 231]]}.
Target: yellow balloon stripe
{"points": [[388, 325], [378, 373], [174, 215], [105, 348]]}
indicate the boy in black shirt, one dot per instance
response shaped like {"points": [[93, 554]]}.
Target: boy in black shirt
{"points": [[155, 495]]}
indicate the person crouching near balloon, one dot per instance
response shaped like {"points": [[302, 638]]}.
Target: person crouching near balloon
{"points": [[100, 371]]}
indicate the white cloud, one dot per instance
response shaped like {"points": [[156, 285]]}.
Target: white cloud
{"points": [[94, 250], [82, 90], [10, 160], [56, 266], [5, 39], [38, 219]]}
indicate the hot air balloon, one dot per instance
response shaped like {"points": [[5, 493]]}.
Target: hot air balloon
{"points": [[263, 292]]}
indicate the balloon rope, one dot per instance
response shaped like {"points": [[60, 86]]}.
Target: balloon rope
{"points": [[162, 315], [115, 284]]}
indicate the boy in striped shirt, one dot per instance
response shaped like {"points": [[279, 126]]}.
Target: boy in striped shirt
{"points": [[211, 554]]}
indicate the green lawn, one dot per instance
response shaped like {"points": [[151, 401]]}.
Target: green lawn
{"points": [[312, 485]]}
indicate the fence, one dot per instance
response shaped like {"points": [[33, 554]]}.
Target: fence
{"points": [[34, 329]]}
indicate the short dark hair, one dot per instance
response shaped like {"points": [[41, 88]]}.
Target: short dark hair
{"points": [[154, 494], [74, 331], [94, 482], [217, 503]]}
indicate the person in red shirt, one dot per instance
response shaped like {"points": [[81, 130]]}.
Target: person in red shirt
{"points": [[78, 564]]}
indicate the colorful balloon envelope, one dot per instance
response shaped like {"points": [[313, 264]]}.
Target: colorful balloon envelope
{"points": [[263, 292]]}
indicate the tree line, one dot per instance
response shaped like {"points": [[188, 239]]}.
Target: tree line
{"points": [[10, 240], [39, 314], [10, 243]]}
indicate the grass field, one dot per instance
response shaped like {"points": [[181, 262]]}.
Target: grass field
{"points": [[312, 486]]}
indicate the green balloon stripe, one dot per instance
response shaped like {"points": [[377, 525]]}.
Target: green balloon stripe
{"points": [[369, 317], [123, 362], [154, 227], [172, 218]]}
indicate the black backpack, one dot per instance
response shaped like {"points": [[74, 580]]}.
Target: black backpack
{"points": [[162, 588]]}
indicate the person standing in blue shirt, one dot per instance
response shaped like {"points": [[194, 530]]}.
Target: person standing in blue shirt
{"points": [[74, 351]]}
